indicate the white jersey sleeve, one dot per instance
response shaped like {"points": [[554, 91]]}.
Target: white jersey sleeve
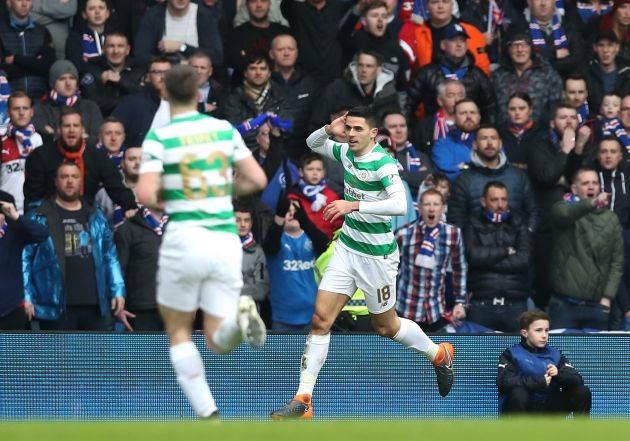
{"points": [[319, 141], [240, 148], [152, 154]]}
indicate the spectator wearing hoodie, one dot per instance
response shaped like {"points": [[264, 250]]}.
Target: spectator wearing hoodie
{"points": [[365, 82], [614, 179], [488, 163]]}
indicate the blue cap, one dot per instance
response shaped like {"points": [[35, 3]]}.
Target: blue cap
{"points": [[454, 30]]}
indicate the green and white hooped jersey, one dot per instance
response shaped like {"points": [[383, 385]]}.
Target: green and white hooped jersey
{"points": [[366, 178], [194, 153]]}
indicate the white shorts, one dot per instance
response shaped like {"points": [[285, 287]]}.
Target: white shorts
{"points": [[375, 276], [199, 268]]}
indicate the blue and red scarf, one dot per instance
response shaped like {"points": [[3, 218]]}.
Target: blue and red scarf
{"points": [[559, 38], [23, 138], [462, 137], [613, 127], [254, 123], [456, 74], [571, 198], [92, 44], [497, 218], [248, 242], [583, 113], [58, 100], [155, 223], [441, 126], [587, 10], [413, 158]]}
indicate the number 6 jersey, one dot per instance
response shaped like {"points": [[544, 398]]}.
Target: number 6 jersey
{"points": [[194, 153]]}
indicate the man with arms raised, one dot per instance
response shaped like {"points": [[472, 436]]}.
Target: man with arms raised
{"points": [[190, 162], [366, 256]]}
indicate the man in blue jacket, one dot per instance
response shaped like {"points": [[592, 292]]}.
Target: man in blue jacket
{"points": [[15, 232], [535, 377], [73, 280]]}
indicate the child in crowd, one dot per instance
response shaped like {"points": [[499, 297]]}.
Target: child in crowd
{"points": [[255, 276], [609, 123], [313, 193]]}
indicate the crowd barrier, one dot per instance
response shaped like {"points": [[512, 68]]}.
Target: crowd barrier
{"points": [[106, 376]]}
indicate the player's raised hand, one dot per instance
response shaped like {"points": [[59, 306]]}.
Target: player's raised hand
{"points": [[337, 128], [339, 208]]}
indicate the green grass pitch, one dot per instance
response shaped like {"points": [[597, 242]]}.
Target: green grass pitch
{"points": [[530, 429]]}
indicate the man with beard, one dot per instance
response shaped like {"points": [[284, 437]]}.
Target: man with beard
{"points": [[451, 155], [81, 284], [551, 163], [96, 169], [587, 260], [488, 163]]}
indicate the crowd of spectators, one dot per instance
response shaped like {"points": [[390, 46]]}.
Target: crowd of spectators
{"points": [[509, 121]]}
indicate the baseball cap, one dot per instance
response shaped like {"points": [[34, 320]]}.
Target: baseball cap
{"points": [[454, 30]]}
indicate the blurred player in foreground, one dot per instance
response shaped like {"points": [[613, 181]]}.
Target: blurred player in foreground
{"points": [[366, 255], [190, 163]]}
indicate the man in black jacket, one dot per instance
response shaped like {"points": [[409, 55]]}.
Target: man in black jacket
{"points": [[365, 83], [15, 232], [177, 29], [108, 80], [298, 89], [211, 93], [497, 251], [453, 62], [315, 25], [551, 163], [489, 163], [138, 242], [535, 377], [26, 50], [137, 111], [96, 169], [256, 96]]}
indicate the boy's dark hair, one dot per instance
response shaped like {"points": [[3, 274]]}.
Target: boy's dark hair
{"points": [[309, 157], [493, 184], [440, 177], [613, 93], [529, 317], [366, 113], [243, 207]]}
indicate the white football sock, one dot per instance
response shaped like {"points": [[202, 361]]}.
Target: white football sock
{"points": [[191, 377], [412, 336], [228, 335], [315, 353]]}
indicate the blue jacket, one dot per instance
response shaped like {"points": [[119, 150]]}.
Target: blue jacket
{"points": [[44, 264], [19, 233], [447, 154]]}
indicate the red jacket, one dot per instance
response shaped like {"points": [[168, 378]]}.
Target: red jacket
{"points": [[416, 42], [317, 217]]}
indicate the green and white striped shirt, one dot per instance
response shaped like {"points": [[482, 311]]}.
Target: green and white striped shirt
{"points": [[368, 178], [194, 153]]}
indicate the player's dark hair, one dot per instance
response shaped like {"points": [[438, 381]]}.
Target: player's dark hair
{"points": [[181, 84], [309, 157], [493, 184], [366, 113], [529, 317]]}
